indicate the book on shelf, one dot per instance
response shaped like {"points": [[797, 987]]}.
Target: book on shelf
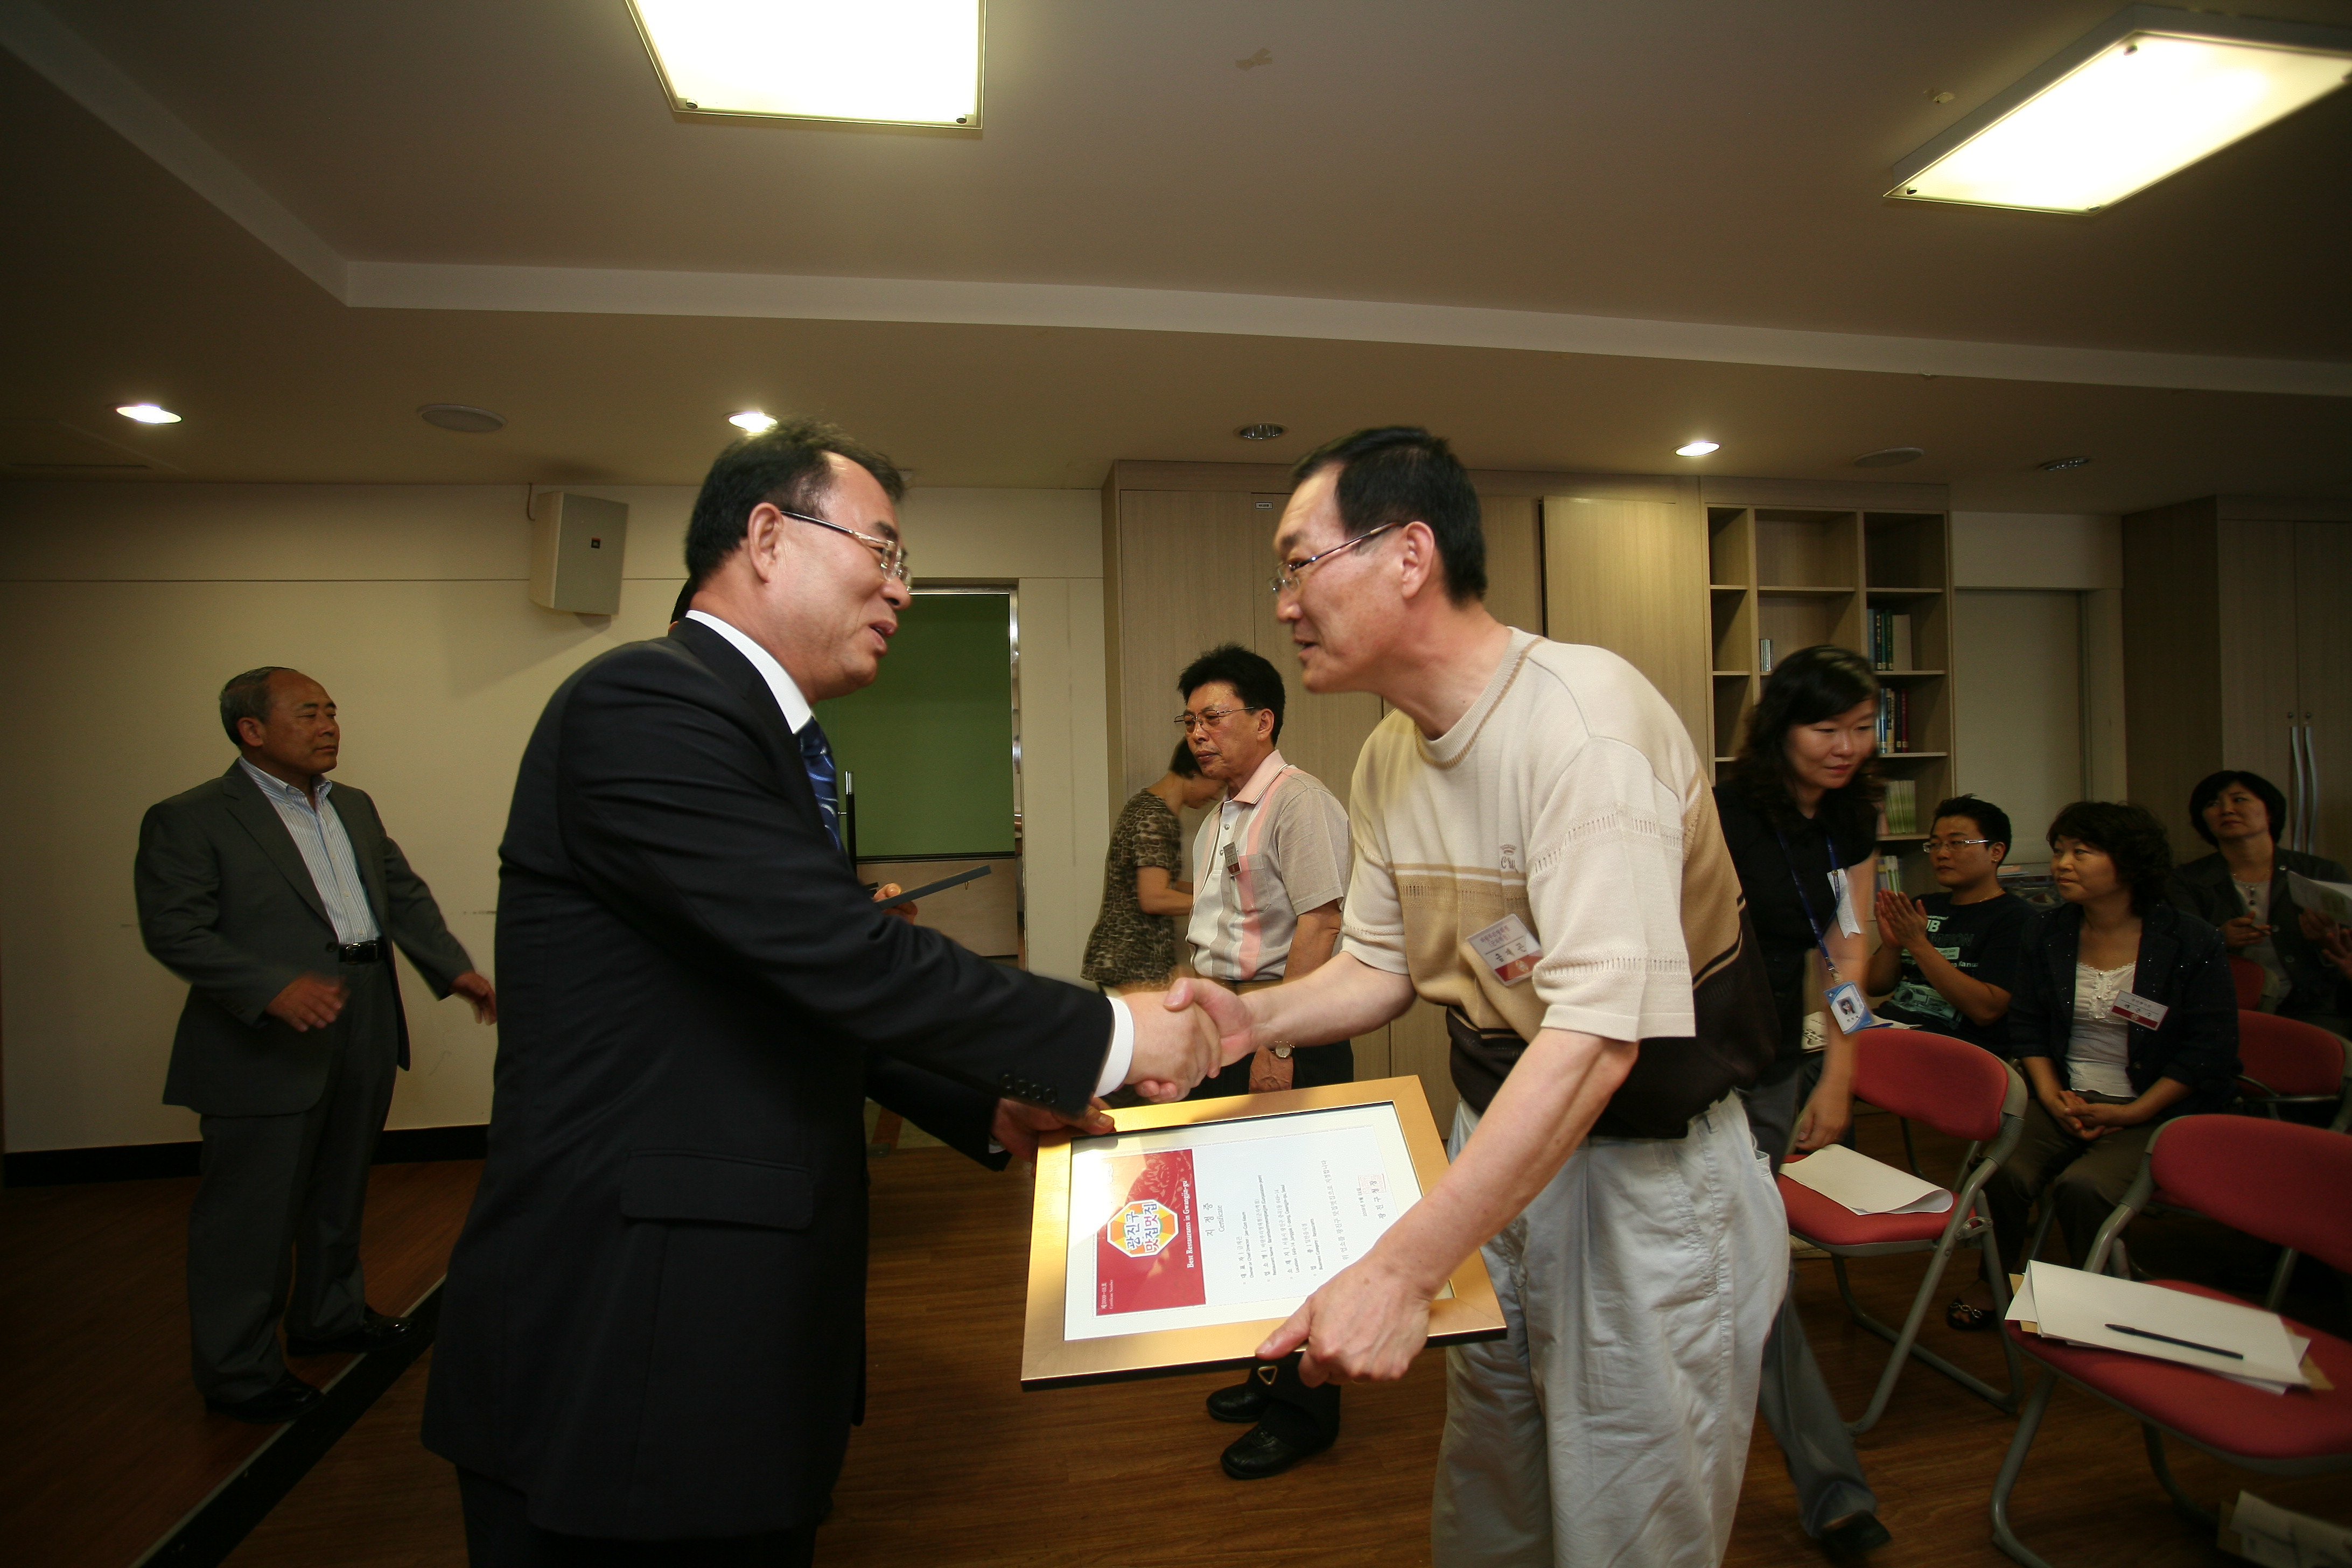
{"points": [[1898, 808], [1890, 873], [1890, 640], [1894, 718]]}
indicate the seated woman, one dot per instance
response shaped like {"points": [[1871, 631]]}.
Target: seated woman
{"points": [[2243, 889], [1134, 940], [1950, 958], [2123, 1016]]}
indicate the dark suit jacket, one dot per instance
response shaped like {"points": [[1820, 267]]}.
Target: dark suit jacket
{"points": [[654, 1321], [2316, 989], [226, 903], [2180, 967]]}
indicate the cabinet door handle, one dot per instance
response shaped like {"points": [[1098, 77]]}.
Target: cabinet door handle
{"points": [[2311, 792]]}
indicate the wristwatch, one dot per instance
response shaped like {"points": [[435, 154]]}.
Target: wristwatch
{"points": [[1281, 1053]]}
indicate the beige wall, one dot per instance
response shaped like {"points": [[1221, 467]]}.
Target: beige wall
{"points": [[122, 607], [2074, 551]]}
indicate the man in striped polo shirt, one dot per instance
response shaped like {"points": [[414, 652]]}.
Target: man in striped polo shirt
{"points": [[1269, 870]]}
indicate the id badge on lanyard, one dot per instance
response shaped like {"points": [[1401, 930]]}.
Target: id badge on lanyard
{"points": [[1845, 1000]]}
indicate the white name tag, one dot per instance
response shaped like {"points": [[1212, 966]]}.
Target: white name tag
{"points": [[1508, 948], [1847, 1006], [1848, 921], [2139, 1010]]}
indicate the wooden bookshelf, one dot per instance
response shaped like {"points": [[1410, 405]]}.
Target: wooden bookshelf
{"points": [[1801, 575]]}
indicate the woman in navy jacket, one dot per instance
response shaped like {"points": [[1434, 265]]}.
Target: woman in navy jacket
{"points": [[2123, 1016]]}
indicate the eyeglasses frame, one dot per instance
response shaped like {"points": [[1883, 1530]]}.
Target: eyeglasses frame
{"points": [[893, 553], [1292, 572], [1214, 717]]}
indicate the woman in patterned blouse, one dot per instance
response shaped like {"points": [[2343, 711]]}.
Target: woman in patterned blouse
{"points": [[1134, 938]]}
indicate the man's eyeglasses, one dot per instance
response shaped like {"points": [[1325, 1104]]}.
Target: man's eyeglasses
{"points": [[1932, 845], [1287, 580], [1209, 718], [892, 555]]}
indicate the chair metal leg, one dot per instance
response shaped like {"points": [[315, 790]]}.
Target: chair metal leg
{"points": [[1906, 1341], [2188, 1506], [2013, 1465], [2279, 1277], [2040, 1233]]}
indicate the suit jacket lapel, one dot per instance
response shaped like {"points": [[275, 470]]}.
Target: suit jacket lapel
{"points": [[735, 672], [260, 818], [367, 836]]}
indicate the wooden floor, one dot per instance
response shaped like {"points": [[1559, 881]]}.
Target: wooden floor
{"points": [[956, 1465], [104, 1444]]}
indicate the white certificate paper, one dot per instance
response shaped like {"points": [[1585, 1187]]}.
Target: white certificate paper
{"points": [[1226, 1222]]}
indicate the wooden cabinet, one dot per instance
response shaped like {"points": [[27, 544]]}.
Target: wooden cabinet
{"points": [[2234, 632]]}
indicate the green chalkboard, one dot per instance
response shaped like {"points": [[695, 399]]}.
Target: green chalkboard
{"points": [[930, 741]]}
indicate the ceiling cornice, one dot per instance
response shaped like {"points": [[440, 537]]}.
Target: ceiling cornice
{"points": [[99, 87]]}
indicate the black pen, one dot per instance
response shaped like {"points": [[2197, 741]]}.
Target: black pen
{"points": [[2168, 1338]]}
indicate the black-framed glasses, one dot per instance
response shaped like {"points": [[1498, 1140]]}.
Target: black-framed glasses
{"points": [[1932, 845], [1208, 717], [1287, 580], [892, 555]]}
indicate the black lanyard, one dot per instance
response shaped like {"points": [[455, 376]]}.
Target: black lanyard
{"points": [[1829, 843]]}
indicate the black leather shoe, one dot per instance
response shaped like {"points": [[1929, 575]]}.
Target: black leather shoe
{"points": [[1243, 1404], [1261, 1452], [1856, 1535], [377, 1333], [292, 1397]]}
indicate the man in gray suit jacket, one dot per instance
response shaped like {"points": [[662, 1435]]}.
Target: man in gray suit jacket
{"points": [[277, 897]]}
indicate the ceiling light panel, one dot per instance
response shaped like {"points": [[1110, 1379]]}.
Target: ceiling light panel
{"points": [[893, 62], [2148, 94]]}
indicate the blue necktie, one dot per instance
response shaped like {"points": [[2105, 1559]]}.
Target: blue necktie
{"points": [[818, 758]]}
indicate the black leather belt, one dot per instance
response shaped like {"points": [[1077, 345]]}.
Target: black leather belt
{"points": [[370, 952]]}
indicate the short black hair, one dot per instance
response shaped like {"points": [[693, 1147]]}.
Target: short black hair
{"points": [[1252, 678], [247, 696], [1401, 473], [1990, 820], [1183, 764], [785, 467], [1805, 687], [2209, 789], [2131, 836]]}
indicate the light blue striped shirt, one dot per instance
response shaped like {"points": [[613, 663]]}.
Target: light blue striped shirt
{"points": [[326, 849]]}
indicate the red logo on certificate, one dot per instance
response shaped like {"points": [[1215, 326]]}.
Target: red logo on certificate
{"points": [[1148, 1254]]}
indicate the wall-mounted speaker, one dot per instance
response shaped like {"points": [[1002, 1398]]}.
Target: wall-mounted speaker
{"points": [[577, 543]]}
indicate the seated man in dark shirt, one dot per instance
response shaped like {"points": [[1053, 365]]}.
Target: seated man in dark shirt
{"points": [[1950, 958]]}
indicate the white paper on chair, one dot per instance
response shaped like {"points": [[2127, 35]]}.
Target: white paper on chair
{"points": [[2083, 1309], [2333, 900], [1865, 1185], [2279, 1538]]}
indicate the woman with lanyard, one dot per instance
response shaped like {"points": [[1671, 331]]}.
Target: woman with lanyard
{"points": [[1799, 814]]}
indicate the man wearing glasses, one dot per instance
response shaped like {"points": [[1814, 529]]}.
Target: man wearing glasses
{"points": [[652, 1340], [1537, 851], [1950, 959], [1269, 870]]}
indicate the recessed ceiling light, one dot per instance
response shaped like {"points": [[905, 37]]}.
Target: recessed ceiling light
{"points": [[2057, 464], [897, 62], [462, 417], [148, 413], [2146, 94], [1262, 431], [753, 422], [1889, 456], [1698, 449]]}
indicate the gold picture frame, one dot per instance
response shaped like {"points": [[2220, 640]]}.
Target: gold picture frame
{"points": [[1467, 1312]]}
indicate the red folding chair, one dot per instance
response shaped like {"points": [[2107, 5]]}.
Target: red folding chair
{"points": [[2285, 1061], [2284, 1182], [1963, 1091], [2247, 976]]}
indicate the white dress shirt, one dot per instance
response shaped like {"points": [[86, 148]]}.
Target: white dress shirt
{"points": [[326, 849], [797, 714]]}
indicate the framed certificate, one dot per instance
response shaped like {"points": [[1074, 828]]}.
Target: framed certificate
{"points": [[1180, 1241]]}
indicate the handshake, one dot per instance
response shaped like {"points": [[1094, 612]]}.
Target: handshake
{"points": [[1184, 1035]]}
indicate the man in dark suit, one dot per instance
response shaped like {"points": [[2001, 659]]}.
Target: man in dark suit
{"points": [[277, 895], [652, 1340]]}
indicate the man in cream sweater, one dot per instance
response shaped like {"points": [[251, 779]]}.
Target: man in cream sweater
{"points": [[1536, 850]]}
